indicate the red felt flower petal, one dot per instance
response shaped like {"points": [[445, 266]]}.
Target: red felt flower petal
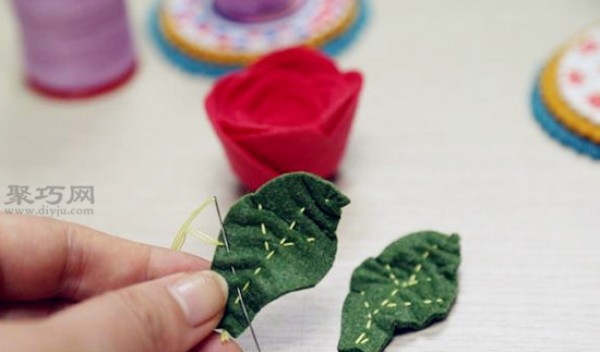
{"points": [[290, 111], [310, 151], [304, 60], [313, 150], [279, 100], [251, 171], [223, 93], [225, 114], [270, 102], [332, 116]]}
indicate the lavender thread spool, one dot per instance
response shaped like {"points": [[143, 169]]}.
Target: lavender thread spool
{"points": [[256, 10], [75, 48]]}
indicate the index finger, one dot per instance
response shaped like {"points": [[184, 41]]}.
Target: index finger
{"points": [[43, 258]]}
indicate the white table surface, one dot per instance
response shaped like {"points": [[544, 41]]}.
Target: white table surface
{"points": [[443, 140]]}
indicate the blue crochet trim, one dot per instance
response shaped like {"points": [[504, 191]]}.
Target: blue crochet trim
{"points": [[197, 67], [557, 131], [343, 42]]}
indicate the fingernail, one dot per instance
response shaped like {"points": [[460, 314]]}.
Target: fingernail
{"points": [[201, 295]]}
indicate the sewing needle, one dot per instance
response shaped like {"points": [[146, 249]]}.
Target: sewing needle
{"points": [[226, 241]]}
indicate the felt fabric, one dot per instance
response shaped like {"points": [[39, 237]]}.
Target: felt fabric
{"points": [[281, 239], [272, 120], [411, 284]]}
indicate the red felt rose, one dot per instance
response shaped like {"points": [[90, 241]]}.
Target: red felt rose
{"points": [[290, 111]]}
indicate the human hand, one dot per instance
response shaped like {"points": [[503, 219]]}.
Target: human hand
{"points": [[64, 287]]}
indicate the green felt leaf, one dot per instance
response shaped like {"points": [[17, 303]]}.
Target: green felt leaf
{"points": [[411, 284], [281, 239]]}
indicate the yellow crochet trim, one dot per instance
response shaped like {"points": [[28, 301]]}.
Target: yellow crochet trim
{"points": [[236, 58], [560, 108]]}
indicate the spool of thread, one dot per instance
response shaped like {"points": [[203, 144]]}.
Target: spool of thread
{"points": [[75, 48], [256, 10]]}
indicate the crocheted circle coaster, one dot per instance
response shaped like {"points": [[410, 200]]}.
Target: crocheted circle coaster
{"points": [[559, 132], [198, 38], [570, 85]]}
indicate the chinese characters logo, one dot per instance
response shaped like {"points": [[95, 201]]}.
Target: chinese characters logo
{"points": [[49, 199]]}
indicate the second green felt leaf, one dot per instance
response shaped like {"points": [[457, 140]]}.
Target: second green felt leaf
{"points": [[411, 284], [281, 239]]}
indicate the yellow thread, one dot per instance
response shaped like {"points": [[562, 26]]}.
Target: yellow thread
{"points": [[364, 341], [288, 244], [407, 304], [386, 301], [425, 255], [376, 311], [362, 293], [388, 267], [369, 324], [205, 238], [310, 239], [260, 206], [282, 240], [395, 292], [181, 235], [257, 271], [237, 300], [246, 286], [439, 300], [270, 254], [292, 225], [418, 267], [263, 229], [427, 301], [359, 339], [412, 280], [267, 247], [428, 279], [225, 336], [367, 305], [392, 305], [302, 210], [392, 276]]}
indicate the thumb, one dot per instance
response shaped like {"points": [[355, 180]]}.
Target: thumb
{"points": [[173, 314]]}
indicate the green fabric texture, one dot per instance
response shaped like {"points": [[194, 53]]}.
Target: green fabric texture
{"points": [[281, 239], [411, 284]]}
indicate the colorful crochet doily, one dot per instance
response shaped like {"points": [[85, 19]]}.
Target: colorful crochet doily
{"points": [[566, 99], [193, 35]]}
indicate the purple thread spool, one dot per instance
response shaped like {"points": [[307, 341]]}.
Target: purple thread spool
{"points": [[75, 48], [256, 10]]}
